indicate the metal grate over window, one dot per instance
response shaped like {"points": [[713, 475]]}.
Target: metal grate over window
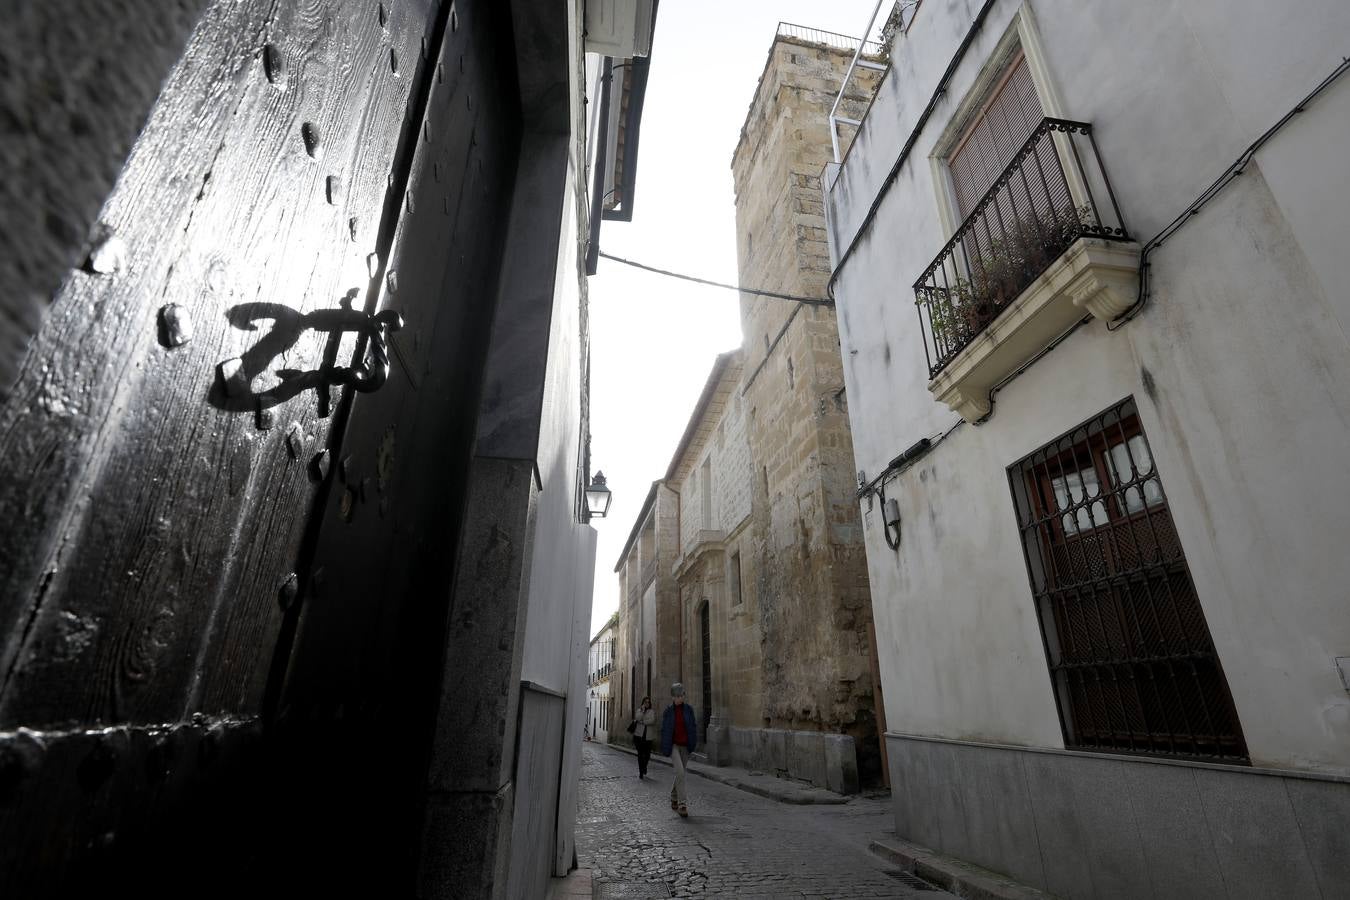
{"points": [[1131, 657]]}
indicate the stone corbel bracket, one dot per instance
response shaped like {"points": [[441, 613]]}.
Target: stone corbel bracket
{"points": [[1093, 276]]}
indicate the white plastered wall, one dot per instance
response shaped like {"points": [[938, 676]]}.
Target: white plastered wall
{"points": [[1245, 399]]}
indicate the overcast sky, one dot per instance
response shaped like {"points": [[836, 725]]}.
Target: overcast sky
{"points": [[654, 338]]}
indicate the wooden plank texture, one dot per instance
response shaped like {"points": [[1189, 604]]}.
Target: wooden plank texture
{"points": [[370, 635], [155, 522], [371, 631], [80, 79]]}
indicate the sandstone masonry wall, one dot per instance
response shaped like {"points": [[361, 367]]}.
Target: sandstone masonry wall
{"points": [[757, 521], [667, 668], [712, 566], [813, 608]]}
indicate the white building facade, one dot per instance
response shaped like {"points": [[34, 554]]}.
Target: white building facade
{"points": [[1093, 307], [600, 668]]}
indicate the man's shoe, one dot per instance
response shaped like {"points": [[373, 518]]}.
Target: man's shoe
{"points": [[684, 812], [674, 804]]}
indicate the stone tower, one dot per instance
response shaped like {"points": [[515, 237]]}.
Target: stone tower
{"points": [[815, 607]]}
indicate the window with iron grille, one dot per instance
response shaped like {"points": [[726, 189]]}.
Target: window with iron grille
{"points": [[1131, 657]]}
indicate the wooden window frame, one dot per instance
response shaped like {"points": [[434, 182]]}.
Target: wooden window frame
{"points": [[1041, 489]]}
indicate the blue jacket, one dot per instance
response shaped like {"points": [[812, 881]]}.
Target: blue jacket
{"points": [[668, 728]]}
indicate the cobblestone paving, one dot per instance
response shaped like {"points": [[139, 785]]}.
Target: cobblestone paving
{"points": [[733, 844]]}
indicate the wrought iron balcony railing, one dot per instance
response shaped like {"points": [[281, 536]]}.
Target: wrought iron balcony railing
{"points": [[1054, 192]]}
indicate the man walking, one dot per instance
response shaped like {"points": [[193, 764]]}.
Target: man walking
{"points": [[679, 737]]}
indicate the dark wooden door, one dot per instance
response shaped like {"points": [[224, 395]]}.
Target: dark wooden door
{"points": [[185, 507], [368, 635]]}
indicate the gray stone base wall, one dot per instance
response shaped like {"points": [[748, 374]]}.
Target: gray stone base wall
{"points": [[1094, 825], [825, 760]]}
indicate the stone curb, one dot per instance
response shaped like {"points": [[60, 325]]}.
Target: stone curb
{"points": [[575, 885], [953, 875], [767, 786]]}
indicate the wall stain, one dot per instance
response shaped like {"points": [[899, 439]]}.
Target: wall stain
{"points": [[1150, 388]]}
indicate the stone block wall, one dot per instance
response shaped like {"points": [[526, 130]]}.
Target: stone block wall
{"points": [[691, 510], [666, 640], [711, 475], [769, 454], [742, 655], [724, 458], [825, 760], [732, 470], [80, 80], [649, 626], [737, 666], [813, 610]]}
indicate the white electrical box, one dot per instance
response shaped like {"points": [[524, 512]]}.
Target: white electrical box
{"points": [[619, 28]]}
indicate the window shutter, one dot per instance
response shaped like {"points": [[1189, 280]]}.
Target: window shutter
{"points": [[994, 137]]}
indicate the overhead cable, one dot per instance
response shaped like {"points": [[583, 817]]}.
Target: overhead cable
{"points": [[902, 462], [1235, 169], [810, 301]]}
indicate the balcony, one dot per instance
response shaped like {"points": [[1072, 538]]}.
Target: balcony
{"points": [[1043, 248]]}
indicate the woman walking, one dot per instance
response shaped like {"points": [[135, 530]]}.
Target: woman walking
{"points": [[645, 723]]}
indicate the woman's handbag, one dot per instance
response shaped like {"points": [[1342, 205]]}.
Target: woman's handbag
{"points": [[632, 726]]}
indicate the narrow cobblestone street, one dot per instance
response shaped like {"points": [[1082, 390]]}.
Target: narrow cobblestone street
{"points": [[734, 844]]}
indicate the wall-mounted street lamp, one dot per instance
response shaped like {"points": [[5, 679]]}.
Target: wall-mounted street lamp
{"points": [[890, 511], [597, 496]]}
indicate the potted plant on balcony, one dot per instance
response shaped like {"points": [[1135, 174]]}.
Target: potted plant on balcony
{"points": [[999, 270]]}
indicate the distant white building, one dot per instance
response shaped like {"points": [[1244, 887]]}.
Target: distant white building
{"points": [[599, 669], [1103, 456]]}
